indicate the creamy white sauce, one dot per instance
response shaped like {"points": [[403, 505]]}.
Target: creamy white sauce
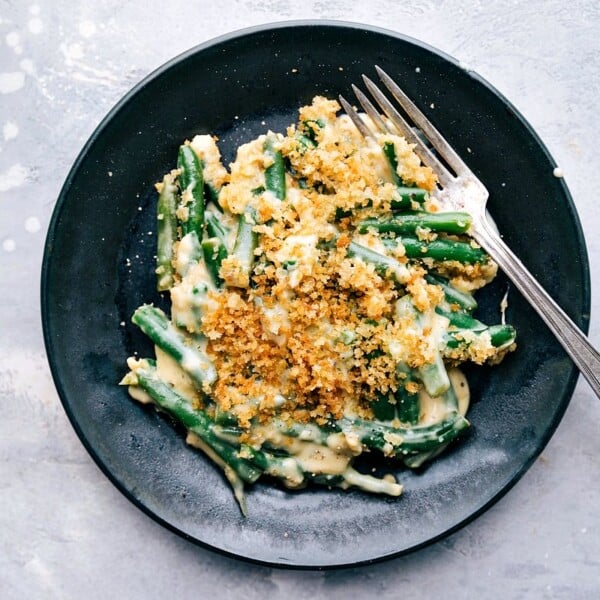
{"points": [[187, 254], [434, 410], [288, 470], [169, 370], [312, 456], [137, 393], [318, 459], [371, 484], [461, 388]]}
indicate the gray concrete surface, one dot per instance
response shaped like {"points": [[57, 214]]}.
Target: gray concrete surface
{"points": [[65, 531]]}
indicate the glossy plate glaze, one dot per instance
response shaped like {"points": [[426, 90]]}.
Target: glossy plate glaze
{"points": [[98, 267]]}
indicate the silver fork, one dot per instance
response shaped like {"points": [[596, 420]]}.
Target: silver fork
{"points": [[461, 190]]}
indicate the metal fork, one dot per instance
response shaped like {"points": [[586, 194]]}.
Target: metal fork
{"points": [[461, 190]]}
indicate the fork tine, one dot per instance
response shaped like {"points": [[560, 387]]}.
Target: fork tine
{"points": [[444, 176], [424, 124], [370, 110], [355, 118]]}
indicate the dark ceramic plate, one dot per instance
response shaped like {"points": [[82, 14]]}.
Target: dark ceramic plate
{"points": [[98, 269]]}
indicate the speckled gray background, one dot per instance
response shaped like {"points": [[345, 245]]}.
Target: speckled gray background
{"points": [[65, 532]]}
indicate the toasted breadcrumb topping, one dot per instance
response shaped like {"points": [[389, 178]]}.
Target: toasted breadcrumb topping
{"points": [[310, 323]]}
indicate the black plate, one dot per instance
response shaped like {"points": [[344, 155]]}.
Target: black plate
{"points": [[98, 268]]}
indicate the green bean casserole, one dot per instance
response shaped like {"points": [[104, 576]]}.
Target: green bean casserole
{"points": [[321, 304]]}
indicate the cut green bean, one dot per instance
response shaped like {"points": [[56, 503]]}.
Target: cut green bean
{"points": [[440, 250], [245, 243], [402, 441], [453, 296], [275, 172], [384, 265], [192, 359], [451, 404], [311, 128], [384, 406], [406, 194], [448, 222], [501, 336], [211, 194], [305, 142], [389, 151], [434, 377], [460, 319], [407, 403], [214, 253], [401, 404], [191, 182], [224, 417], [375, 435], [166, 233], [194, 420], [216, 228]]}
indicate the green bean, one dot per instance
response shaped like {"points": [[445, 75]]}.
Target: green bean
{"points": [[389, 150], [275, 172], [214, 253], [311, 128], [400, 404], [407, 403], [434, 376], [193, 360], [406, 194], [195, 420], [384, 265], [191, 182], [448, 222], [375, 435], [211, 194], [216, 228], [166, 233], [224, 418], [501, 336], [384, 406], [461, 323], [402, 441], [460, 319], [245, 244], [451, 404], [453, 295], [440, 250], [305, 142]]}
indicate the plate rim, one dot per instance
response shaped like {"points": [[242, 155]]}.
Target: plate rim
{"points": [[570, 383]]}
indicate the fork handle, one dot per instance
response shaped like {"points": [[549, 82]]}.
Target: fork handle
{"points": [[573, 340]]}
